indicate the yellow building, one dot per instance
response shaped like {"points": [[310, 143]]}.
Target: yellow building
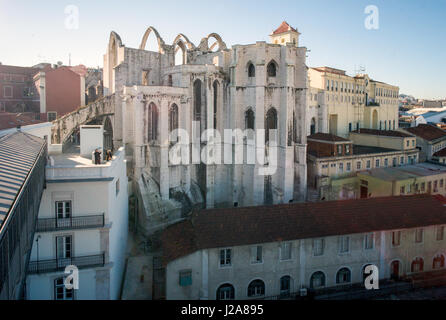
{"points": [[355, 102]]}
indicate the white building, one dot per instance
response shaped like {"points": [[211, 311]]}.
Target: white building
{"points": [[82, 221], [239, 254]]}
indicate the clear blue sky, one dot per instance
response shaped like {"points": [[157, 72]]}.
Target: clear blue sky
{"points": [[408, 49]]}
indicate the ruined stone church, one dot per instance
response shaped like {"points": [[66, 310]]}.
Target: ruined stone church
{"points": [[253, 86]]}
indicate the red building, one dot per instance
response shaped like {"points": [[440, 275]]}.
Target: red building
{"points": [[53, 91], [18, 92]]}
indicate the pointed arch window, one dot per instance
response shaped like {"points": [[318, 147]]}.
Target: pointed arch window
{"points": [[271, 123], [153, 121], [271, 69], [251, 70], [173, 118]]}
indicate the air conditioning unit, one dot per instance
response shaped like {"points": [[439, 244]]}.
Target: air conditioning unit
{"points": [[303, 292]]}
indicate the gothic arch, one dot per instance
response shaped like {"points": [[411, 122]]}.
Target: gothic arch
{"points": [[179, 45], [108, 134], [204, 44], [181, 37], [158, 38]]}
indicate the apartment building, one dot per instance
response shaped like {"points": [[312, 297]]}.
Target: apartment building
{"points": [[82, 221], [239, 254], [407, 180], [350, 103], [333, 162], [430, 139]]}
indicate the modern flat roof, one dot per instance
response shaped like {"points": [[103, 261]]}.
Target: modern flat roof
{"points": [[405, 172]]}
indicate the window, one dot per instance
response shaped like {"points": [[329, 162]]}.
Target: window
{"points": [[249, 119], [173, 119], [185, 278], [117, 187], [27, 92], [396, 238], [349, 166], [285, 251], [394, 162], [417, 265], [256, 288], [51, 116], [423, 186], [226, 292], [377, 163], [441, 183], [251, 70], [318, 247], [347, 149], [339, 148], [271, 69], [358, 165], [271, 123], [61, 292], [368, 164], [343, 276], [341, 167], [403, 190], [317, 280], [386, 162], [285, 286], [7, 92], [256, 254], [225, 257], [369, 241], [419, 235], [63, 209], [402, 161], [153, 120], [440, 233], [438, 262], [64, 247], [344, 244]]}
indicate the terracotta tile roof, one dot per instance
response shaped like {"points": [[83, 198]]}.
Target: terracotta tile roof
{"points": [[427, 132], [330, 70], [284, 27], [326, 137], [13, 120], [219, 228], [387, 133], [441, 153], [18, 70]]}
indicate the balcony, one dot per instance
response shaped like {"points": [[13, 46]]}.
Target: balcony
{"points": [[372, 104], [73, 223], [45, 266]]}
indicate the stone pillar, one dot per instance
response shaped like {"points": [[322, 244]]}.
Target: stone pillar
{"points": [[184, 120], [164, 148], [138, 125], [302, 262]]}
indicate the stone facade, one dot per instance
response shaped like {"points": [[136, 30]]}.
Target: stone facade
{"points": [[255, 86]]}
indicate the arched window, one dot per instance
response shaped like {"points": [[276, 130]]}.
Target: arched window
{"points": [[271, 69], [285, 286], [215, 87], [417, 265], [173, 118], [256, 288], [395, 270], [343, 276], [153, 121], [317, 280], [438, 262], [225, 292], [251, 70], [271, 122], [249, 119], [197, 100]]}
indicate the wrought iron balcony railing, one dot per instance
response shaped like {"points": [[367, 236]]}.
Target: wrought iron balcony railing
{"points": [[83, 222], [45, 266]]}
